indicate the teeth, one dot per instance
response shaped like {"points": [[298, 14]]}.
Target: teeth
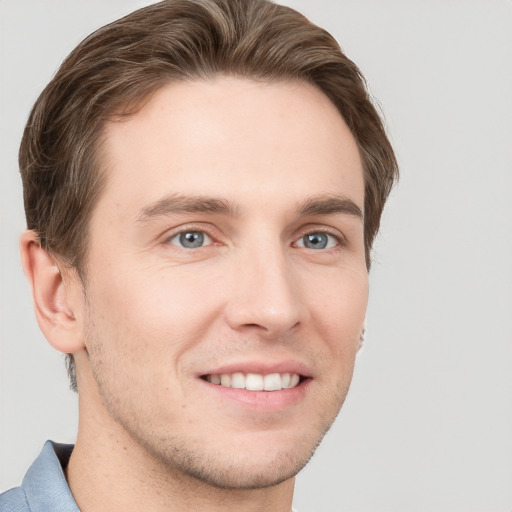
{"points": [[255, 381], [294, 380], [237, 380], [272, 382]]}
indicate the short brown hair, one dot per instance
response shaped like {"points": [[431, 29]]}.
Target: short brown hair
{"points": [[113, 70]]}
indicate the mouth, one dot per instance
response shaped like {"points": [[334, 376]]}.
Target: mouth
{"points": [[259, 386], [255, 381]]}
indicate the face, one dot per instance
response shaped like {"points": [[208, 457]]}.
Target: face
{"points": [[226, 282]]}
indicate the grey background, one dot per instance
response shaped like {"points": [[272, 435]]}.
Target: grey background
{"points": [[428, 423]]}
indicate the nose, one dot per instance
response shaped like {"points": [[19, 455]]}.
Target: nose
{"points": [[265, 297]]}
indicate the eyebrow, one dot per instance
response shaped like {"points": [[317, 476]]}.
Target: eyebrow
{"points": [[329, 205], [176, 204]]}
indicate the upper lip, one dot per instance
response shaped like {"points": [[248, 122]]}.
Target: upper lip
{"points": [[261, 367]]}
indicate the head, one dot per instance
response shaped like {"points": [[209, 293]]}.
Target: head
{"points": [[200, 54]]}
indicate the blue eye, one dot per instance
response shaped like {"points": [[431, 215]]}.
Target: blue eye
{"points": [[191, 239], [317, 241]]}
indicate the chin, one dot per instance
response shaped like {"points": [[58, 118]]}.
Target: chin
{"points": [[245, 475], [247, 462]]}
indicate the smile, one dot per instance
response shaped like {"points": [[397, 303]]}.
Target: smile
{"points": [[255, 381]]}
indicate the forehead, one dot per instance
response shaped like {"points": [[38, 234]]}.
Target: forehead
{"points": [[233, 138]]}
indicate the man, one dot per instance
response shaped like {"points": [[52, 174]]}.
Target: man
{"points": [[203, 181]]}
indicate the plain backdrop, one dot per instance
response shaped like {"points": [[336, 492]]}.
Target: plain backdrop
{"points": [[428, 423]]}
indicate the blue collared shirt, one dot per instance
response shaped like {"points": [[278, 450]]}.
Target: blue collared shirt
{"points": [[44, 488]]}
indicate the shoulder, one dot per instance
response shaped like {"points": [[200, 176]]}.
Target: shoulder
{"points": [[14, 500]]}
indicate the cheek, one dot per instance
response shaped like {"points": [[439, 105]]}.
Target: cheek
{"points": [[340, 305], [151, 315], [337, 315]]}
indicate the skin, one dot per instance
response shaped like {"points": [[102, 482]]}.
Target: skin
{"points": [[153, 317]]}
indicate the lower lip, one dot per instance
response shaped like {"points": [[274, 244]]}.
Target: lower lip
{"points": [[267, 401]]}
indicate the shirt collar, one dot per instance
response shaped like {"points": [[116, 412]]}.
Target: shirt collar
{"points": [[45, 485]]}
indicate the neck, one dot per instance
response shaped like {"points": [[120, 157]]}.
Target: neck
{"points": [[109, 470]]}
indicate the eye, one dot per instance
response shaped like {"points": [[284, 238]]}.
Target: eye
{"points": [[191, 239], [317, 241]]}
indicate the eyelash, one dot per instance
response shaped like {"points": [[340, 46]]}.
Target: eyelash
{"points": [[339, 239], [190, 231], [336, 238], [183, 230]]}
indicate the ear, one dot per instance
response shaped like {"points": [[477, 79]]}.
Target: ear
{"points": [[51, 295]]}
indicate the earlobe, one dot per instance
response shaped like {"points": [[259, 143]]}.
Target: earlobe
{"points": [[52, 305]]}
